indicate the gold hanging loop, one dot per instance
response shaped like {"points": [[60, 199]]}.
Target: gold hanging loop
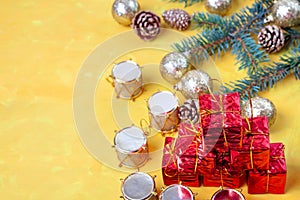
{"points": [[110, 79]]}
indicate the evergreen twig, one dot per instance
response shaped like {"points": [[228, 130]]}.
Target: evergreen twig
{"points": [[293, 36], [235, 32], [206, 20], [220, 34], [266, 78]]}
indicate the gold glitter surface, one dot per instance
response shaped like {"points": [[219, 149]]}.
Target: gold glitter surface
{"points": [[42, 46]]}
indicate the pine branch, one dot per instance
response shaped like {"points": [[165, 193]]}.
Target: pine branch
{"points": [[266, 78], [187, 2], [251, 19], [207, 20], [292, 36], [248, 53], [210, 42], [244, 18], [232, 32]]}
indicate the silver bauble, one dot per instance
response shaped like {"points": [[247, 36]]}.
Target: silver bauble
{"points": [[173, 66], [286, 13], [220, 7], [123, 11], [260, 107], [193, 83]]}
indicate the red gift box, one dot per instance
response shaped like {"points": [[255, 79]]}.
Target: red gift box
{"points": [[206, 164], [221, 121], [190, 139], [272, 180], [189, 147], [227, 102], [233, 179], [172, 170], [220, 110], [215, 139], [255, 150], [223, 175], [169, 162]]}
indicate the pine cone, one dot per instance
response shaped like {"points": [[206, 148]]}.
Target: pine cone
{"points": [[189, 111], [146, 25], [177, 18], [271, 38]]}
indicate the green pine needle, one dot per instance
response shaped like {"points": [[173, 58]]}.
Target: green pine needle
{"points": [[266, 78], [234, 32], [206, 20]]}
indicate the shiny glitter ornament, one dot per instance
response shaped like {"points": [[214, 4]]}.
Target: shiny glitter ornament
{"points": [[146, 25], [193, 83], [189, 111], [271, 38], [286, 13], [139, 186], [227, 193], [173, 66], [123, 11], [220, 7], [177, 18], [260, 107]]}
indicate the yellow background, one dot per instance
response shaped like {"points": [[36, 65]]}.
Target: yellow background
{"points": [[42, 46]]}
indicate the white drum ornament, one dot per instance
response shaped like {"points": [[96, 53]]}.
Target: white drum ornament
{"points": [[163, 111], [131, 147], [139, 186], [127, 79], [177, 192]]}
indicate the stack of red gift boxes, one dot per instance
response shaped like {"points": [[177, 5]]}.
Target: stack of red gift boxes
{"points": [[223, 148]]}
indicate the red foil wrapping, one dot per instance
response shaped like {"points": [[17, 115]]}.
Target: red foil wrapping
{"points": [[190, 139], [224, 175], [218, 103], [169, 162], [233, 179], [221, 121], [272, 180], [217, 138], [189, 147], [223, 161], [172, 170], [255, 150], [206, 164]]}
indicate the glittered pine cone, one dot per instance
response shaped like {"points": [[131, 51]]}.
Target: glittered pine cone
{"points": [[189, 111], [177, 18], [146, 25], [271, 38]]}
